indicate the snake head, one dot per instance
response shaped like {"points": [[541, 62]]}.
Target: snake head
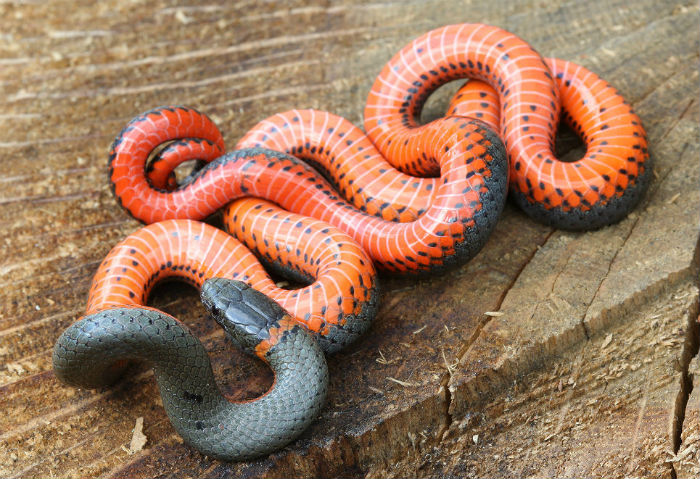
{"points": [[246, 314]]}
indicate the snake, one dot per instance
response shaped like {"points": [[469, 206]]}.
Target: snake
{"points": [[290, 329], [417, 198]]}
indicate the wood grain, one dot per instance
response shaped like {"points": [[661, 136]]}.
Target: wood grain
{"points": [[435, 371]]}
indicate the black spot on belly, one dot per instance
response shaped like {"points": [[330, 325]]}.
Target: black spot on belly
{"points": [[193, 397]]}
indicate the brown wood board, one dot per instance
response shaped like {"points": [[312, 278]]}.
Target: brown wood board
{"points": [[437, 387]]}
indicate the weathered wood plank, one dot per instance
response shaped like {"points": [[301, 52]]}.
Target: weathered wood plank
{"points": [[686, 460], [69, 82], [600, 408]]}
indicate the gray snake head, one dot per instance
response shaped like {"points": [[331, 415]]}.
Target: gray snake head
{"points": [[246, 314]]}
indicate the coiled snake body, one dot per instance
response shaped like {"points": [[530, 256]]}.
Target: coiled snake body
{"points": [[406, 224], [519, 95], [467, 202]]}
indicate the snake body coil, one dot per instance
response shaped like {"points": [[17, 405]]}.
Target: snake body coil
{"points": [[338, 304], [597, 190], [468, 200], [405, 223], [519, 95]]}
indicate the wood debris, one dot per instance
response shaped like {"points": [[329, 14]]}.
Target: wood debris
{"points": [[607, 341], [402, 383], [138, 438]]}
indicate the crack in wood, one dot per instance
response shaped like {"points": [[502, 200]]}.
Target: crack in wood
{"points": [[445, 380], [691, 349], [602, 280]]}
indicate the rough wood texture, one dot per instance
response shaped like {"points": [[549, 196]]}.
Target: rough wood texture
{"points": [[586, 372]]}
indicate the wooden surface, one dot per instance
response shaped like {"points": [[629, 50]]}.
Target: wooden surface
{"points": [[585, 372]]}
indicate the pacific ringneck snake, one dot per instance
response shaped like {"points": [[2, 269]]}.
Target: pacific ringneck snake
{"points": [[406, 224]]}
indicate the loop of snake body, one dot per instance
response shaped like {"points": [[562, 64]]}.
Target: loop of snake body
{"points": [[519, 96], [597, 190], [288, 329], [338, 304], [468, 200]]}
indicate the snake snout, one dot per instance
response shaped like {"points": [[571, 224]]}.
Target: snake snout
{"points": [[246, 314]]}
